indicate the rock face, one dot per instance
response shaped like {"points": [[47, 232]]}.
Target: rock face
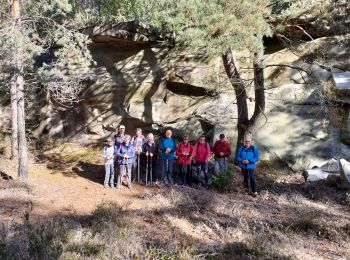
{"points": [[139, 81], [143, 84], [345, 171], [303, 120]]}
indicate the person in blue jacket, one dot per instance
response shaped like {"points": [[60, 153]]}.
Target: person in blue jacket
{"points": [[248, 155], [126, 156], [167, 148]]}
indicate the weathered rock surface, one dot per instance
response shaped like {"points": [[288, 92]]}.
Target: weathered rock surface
{"points": [[332, 166], [330, 171], [345, 171], [316, 175], [303, 124], [140, 82], [143, 84]]}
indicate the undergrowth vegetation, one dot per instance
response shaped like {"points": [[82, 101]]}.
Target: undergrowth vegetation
{"points": [[225, 181], [288, 220]]}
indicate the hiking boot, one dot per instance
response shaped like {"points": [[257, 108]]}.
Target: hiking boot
{"points": [[255, 194], [245, 193]]}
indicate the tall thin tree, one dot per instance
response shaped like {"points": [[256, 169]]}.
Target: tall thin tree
{"points": [[19, 99]]}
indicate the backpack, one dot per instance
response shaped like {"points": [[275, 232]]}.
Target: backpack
{"points": [[251, 148]]}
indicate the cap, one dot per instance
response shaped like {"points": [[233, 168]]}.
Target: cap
{"points": [[122, 126]]}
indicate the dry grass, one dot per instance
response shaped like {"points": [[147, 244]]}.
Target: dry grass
{"points": [[288, 220]]}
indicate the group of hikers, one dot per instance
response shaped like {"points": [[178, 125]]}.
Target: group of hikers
{"points": [[136, 157]]}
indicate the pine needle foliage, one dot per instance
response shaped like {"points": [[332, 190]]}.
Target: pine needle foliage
{"points": [[46, 30]]}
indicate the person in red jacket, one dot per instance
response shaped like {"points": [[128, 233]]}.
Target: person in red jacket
{"points": [[201, 154], [184, 152], [222, 151]]}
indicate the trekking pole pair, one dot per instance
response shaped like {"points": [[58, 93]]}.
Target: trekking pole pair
{"points": [[149, 170], [138, 168]]}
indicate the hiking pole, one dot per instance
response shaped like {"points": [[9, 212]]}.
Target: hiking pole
{"points": [[151, 177], [184, 172], [138, 168], [167, 168], [146, 167]]}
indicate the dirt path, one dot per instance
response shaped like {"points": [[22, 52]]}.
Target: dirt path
{"points": [[61, 194], [52, 192]]}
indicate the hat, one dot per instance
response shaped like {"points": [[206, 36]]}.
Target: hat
{"points": [[122, 126], [221, 136]]}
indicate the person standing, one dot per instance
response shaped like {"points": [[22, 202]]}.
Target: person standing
{"points": [[183, 153], [137, 141], [222, 151], [118, 140], [201, 154], [248, 155], [126, 156], [149, 153], [119, 136], [108, 155], [167, 148]]}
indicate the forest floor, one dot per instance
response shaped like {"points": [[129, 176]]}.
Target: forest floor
{"points": [[64, 212]]}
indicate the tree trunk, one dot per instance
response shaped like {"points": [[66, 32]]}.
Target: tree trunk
{"points": [[22, 141], [18, 58], [14, 144], [258, 117], [244, 125], [241, 96]]}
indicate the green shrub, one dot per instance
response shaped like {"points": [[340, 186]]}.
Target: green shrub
{"points": [[224, 181]]}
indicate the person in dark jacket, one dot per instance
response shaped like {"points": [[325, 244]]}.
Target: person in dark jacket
{"points": [[183, 153], [201, 155], [119, 136], [222, 151], [248, 155], [149, 154], [118, 140], [126, 156]]}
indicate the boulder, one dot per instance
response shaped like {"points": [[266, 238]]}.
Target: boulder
{"points": [[345, 171], [316, 175], [332, 166], [320, 73]]}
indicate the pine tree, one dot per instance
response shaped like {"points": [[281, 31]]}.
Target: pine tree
{"points": [[218, 27], [25, 35]]}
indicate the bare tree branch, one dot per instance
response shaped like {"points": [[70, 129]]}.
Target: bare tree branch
{"points": [[301, 28]]}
